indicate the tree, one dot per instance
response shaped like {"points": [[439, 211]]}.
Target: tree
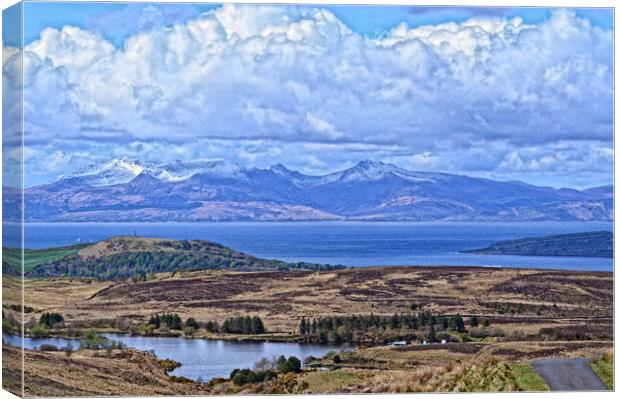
{"points": [[432, 336], [303, 327], [293, 364], [191, 322], [281, 364], [51, 319], [457, 323], [486, 323], [212, 327], [473, 321], [257, 326]]}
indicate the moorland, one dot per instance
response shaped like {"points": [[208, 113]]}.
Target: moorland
{"points": [[464, 328]]}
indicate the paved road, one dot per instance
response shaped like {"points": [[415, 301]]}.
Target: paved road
{"points": [[568, 375]]}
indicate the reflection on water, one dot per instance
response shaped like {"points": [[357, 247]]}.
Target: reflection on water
{"points": [[200, 358]]}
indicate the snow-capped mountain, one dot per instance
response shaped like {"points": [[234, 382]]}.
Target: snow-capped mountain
{"points": [[210, 190], [123, 170], [116, 171], [178, 170]]}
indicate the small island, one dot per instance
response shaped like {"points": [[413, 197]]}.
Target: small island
{"points": [[590, 244]]}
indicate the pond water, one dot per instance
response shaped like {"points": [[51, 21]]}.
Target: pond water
{"points": [[200, 358]]}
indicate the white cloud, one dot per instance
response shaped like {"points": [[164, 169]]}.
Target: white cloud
{"points": [[298, 74]]}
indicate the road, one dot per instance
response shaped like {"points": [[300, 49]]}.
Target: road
{"points": [[568, 375]]}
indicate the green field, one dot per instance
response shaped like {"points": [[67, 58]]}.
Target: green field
{"points": [[35, 257]]}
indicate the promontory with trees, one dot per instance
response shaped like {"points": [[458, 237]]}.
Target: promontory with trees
{"points": [[140, 258]]}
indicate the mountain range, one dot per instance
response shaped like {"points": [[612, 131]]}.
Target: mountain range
{"points": [[127, 190]]}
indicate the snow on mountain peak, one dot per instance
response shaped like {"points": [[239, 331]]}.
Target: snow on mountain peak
{"points": [[180, 170], [367, 170], [116, 171]]}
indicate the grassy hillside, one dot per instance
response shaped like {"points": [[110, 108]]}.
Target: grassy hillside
{"points": [[591, 244], [91, 373], [136, 257], [36, 257]]}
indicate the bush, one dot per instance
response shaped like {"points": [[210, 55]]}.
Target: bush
{"points": [[39, 331], [147, 329], [92, 340], [168, 365], [245, 376], [48, 348]]}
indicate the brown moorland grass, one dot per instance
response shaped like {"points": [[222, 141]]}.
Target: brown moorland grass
{"points": [[539, 299], [91, 373]]}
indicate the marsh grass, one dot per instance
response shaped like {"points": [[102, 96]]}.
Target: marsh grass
{"points": [[488, 375], [604, 368]]}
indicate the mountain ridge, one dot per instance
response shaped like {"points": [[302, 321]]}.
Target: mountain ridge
{"points": [[124, 190]]}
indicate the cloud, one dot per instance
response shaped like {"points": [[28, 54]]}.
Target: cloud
{"points": [[298, 75]]}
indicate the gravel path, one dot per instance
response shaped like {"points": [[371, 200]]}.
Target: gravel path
{"points": [[568, 375]]}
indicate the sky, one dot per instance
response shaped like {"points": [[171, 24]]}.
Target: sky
{"points": [[504, 93]]}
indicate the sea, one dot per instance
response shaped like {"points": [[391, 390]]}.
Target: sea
{"points": [[357, 244]]}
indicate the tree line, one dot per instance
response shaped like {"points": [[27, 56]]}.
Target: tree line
{"points": [[232, 325], [377, 328]]}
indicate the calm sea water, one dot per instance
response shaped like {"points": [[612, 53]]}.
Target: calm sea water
{"points": [[205, 359], [348, 243]]}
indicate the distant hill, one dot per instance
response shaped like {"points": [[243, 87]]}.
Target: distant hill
{"points": [[11, 257], [591, 244], [126, 190], [136, 257]]}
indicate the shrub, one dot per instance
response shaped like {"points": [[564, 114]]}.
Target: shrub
{"points": [[245, 376], [167, 365], [48, 348], [92, 340], [147, 329], [39, 331]]}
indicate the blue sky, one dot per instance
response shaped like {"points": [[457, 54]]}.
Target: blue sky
{"points": [[107, 17], [504, 93]]}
